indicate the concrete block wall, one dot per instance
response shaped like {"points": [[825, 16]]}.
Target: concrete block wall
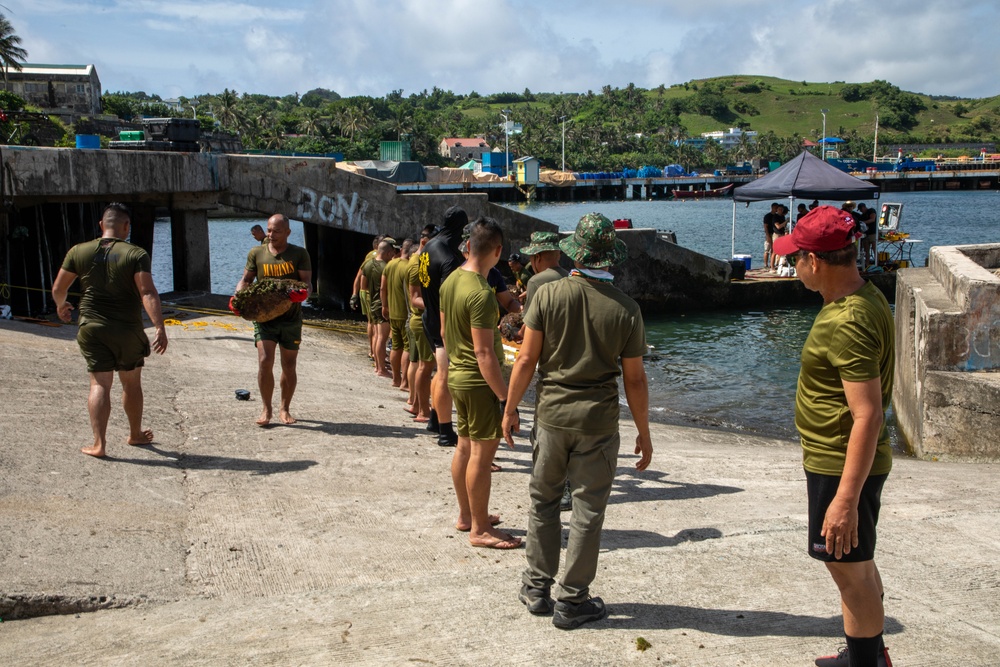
{"points": [[946, 394]]}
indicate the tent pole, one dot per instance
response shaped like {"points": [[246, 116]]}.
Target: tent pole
{"points": [[733, 253]]}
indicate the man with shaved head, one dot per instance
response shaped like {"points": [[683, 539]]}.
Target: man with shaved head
{"points": [[116, 285], [276, 260]]}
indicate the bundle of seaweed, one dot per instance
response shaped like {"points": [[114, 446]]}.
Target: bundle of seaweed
{"points": [[510, 327], [265, 300]]}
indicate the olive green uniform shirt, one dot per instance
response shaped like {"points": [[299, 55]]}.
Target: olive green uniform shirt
{"points": [[107, 268], [396, 290], [547, 276], [285, 265], [467, 303], [851, 339], [588, 327], [413, 278], [373, 270]]}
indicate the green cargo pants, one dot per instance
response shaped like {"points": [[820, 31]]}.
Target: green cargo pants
{"points": [[590, 462]]}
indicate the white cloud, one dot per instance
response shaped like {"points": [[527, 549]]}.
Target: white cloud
{"points": [[375, 46]]}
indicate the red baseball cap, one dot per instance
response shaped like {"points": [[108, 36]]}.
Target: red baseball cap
{"points": [[823, 229]]}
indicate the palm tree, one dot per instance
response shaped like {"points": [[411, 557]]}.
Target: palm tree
{"points": [[401, 122], [744, 147], [310, 122], [228, 113], [11, 53]]}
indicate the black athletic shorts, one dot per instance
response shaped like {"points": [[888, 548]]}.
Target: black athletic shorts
{"points": [[822, 489]]}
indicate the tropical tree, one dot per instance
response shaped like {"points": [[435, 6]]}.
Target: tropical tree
{"points": [[11, 53], [228, 112], [716, 154], [310, 122], [744, 147]]}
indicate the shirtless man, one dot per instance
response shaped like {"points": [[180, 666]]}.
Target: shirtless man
{"points": [[278, 259], [117, 285]]}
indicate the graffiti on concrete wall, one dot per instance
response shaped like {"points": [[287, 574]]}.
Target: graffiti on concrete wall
{"points": [[978, 344], [338, 210]]}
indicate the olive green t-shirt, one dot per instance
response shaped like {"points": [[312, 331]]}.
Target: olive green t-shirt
{"points": [[396, 291], [107, 268], [851, 339], [285, 265], [370, 256], [587, 327], [467, 303], [413, 278], [373, 270], [547, 276]]}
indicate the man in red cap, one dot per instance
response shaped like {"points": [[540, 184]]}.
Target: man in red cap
{"points": [[844, 387]]}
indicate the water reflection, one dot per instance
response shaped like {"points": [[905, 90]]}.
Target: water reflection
{"points": [[730, 369]]}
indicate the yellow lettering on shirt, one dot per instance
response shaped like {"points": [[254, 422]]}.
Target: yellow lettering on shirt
{"points": [[277, 270]]}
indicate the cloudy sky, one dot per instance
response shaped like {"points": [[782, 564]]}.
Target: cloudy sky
{"points": [[371, 47]]}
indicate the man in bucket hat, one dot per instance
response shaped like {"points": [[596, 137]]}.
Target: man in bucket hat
{"points": [[583, 333], [845, 383], [543, 256]]}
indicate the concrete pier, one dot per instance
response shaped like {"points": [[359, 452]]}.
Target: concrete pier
{"points": [[947, 390], [341, 211]]}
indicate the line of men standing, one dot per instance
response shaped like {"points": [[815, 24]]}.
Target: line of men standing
{"points": [[581, 333]]}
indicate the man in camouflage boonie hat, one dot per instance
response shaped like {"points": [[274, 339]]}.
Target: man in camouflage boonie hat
{"points": [[541, 242], [543, 254], [580, 333], [594, 244]]}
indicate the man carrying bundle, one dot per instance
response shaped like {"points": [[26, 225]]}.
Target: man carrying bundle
{"points": [[277, 260]]}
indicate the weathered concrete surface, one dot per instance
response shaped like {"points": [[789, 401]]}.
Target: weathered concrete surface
{"points": [[331, 542], [661, 275], [947, 335]]}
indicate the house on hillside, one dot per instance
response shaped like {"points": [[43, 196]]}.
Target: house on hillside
{"points": [[463, 149], [58, 89], [730, 139]]}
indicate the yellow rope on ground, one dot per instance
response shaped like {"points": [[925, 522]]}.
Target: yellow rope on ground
{"points": [[226, 313]]}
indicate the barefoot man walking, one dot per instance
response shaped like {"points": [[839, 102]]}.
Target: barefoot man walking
{"points": [[278, 259], [117, 284]]}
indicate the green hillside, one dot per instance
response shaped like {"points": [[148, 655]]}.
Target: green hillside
{"points": [[604, 130]]}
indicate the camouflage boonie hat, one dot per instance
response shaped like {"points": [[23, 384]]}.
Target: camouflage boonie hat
{"points": [[594, 243], [541, 242]]}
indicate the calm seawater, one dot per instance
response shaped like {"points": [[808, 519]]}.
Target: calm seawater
{"points": [[729, 369]]}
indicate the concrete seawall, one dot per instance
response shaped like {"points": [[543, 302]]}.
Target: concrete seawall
{"points": [[56, 195], [947, 390]]}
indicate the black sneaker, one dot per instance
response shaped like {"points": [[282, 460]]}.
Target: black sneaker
{"points": [[537, 600], [843, 659], [566, 504], [432, 424], [567, 616], [448, 439]]}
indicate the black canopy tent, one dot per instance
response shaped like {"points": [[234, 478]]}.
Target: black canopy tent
{"points": [[804, 177]]}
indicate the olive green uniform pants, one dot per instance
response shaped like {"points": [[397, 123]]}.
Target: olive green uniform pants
{"points": [[589, 461]]}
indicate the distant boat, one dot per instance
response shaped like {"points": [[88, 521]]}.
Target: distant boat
{"points": [[700, 194]]}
